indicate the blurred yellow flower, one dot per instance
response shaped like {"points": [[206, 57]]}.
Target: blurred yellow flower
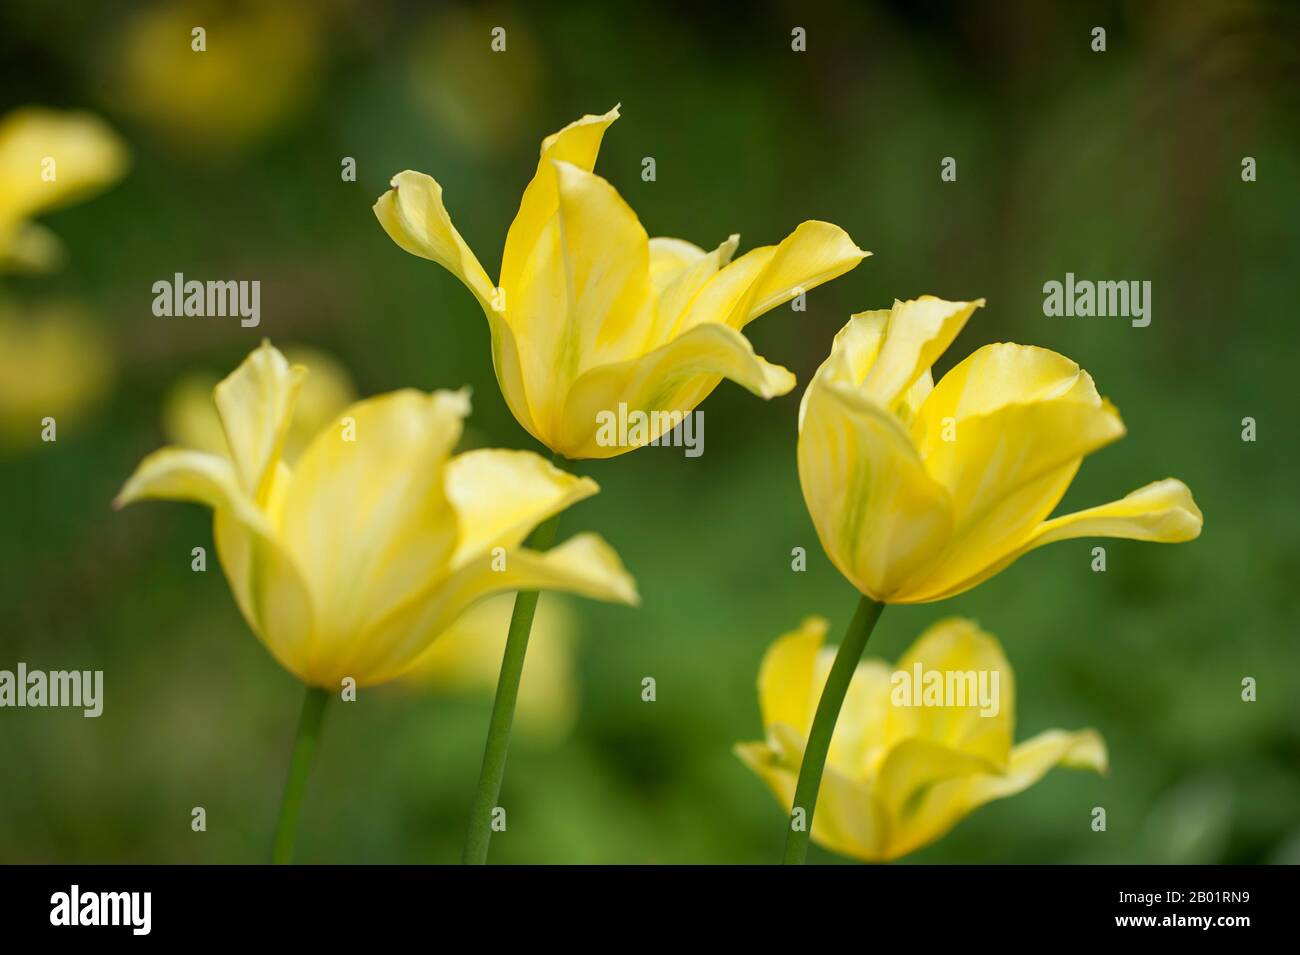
{"points": [[905, 766], [591, 316], [191, 420], [921, 491], [351, 562], [258, 63], [467, 659], [54, 362], [48, 159]]}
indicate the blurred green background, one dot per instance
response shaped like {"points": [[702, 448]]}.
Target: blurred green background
{"points": [[1121, 165]]}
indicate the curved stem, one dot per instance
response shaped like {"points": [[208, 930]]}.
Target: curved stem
{"points": [[304, 749], [823, 727], [503, 708]]}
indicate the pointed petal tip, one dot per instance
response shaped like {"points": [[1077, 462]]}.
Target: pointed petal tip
{"points": [[777, 381], [822, 223]]}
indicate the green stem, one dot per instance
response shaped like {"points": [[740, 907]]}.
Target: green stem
{"points": [[823, 727], [503, 708], [304, 749]]}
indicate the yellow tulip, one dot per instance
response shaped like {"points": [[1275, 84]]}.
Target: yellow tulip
{"points": [[590, 315], [467, 659], [49, 159], [352, 561], [901, 775], [920, 491]]}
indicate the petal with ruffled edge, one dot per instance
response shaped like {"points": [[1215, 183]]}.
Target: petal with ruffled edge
{"points": [[878, 514], [665, 384], [583, 565]]}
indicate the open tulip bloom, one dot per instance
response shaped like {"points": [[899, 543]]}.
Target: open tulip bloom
{"points": [[593, 321], [350, 563], [908, 759], [920, 491], [591, 314]]}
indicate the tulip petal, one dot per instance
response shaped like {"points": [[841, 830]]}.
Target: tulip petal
{"points": [[669, 259], [606, 261], [935, 810], [878, 514], [500, 496], [915, 766], [181, 474], [583, 565], [678, 270], [585, 298], [853, 352], [858, 743], [790, 683], [1163, 511], [966, 659], [256, 403], [666, 383], [765, 277], [86, 156], [994, 376], [268, 586], [413, 215], [849, 819], [578, 144], [915, 334], [1031, 760], [1005, 471], [368, 519], [786, 690]]}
